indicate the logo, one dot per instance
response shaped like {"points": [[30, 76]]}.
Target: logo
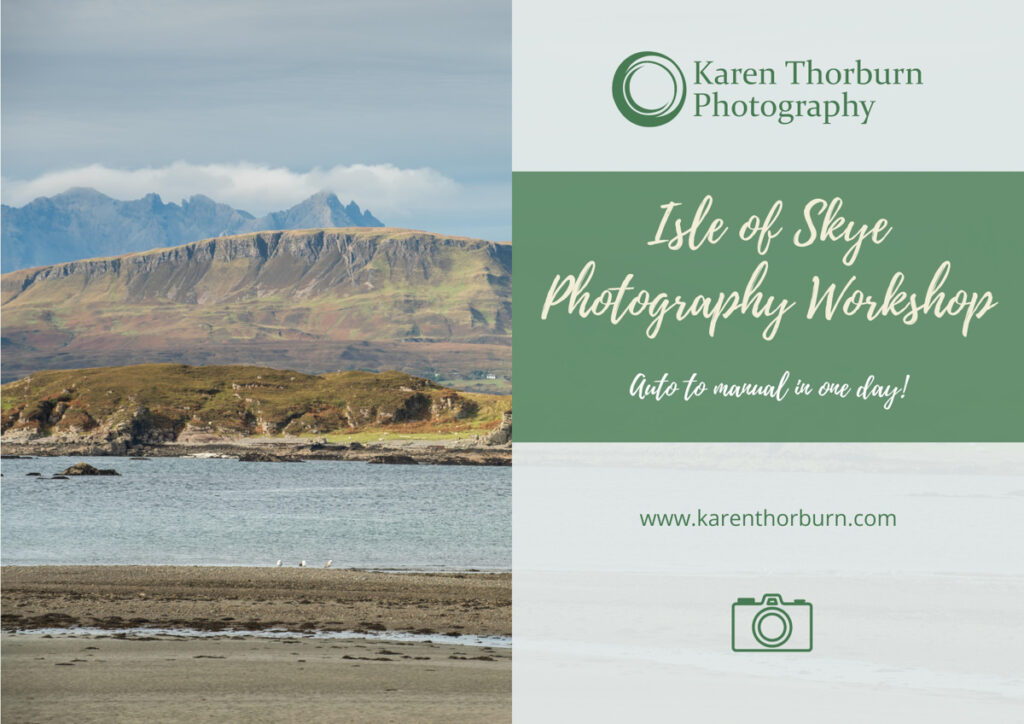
{"points": [[772, 624], [622, 92], [649, 89]]}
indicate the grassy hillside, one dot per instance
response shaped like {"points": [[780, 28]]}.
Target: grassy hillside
{"points": [[313, 300], [161, 402]]}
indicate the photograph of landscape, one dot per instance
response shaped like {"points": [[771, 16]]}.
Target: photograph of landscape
{"points": [[256, 361]]}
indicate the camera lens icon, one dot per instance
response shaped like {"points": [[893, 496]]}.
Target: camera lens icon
{"points": [[776, 620], [772, 624]]}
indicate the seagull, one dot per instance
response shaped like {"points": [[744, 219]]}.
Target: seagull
{"points": [[279, 564], [328, 563], [302, 564]]}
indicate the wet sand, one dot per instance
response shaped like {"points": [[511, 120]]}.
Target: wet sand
{"points": [[213, 598], [143, 676], [103, 679]]}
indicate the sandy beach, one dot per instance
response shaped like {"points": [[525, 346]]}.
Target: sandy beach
{"points": [[111, 676], [103, 679], [212, 598]]}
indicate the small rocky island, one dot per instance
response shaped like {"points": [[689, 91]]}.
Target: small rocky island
{"points": [[254, 414], [87, 469]]}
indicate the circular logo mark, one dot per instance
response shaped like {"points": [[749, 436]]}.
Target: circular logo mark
{"points": [[633, 111]]}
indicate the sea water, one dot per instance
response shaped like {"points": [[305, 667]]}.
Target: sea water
{"points": [[186, 511]]}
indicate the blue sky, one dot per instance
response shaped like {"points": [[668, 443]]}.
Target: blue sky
{"points": [[403, 106]]}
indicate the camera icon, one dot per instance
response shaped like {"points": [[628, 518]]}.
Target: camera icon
{"points": [[772, 624]]}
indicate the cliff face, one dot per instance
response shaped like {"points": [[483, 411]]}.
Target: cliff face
{"points": [[83, 223], [310, 300], [333, 262]]}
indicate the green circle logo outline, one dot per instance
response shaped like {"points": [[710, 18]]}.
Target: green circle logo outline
{"points": [[627, 105]]}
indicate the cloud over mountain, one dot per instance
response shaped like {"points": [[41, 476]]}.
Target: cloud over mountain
{"points": [[259, 189]]}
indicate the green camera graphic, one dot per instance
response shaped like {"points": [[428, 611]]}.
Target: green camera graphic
{"points": [[772, 624]]}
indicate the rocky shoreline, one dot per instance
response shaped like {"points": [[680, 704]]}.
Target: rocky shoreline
{"points": [[278, 451]]}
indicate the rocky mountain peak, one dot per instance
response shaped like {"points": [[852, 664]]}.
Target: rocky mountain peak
{"points": [[322, 210], [83, 223]]}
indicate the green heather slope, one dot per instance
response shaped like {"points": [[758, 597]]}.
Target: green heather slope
{"points": [[162, 403], [312, 300]]}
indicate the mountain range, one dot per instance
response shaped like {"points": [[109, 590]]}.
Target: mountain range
{"points": [[83, 223], [312, 300]]}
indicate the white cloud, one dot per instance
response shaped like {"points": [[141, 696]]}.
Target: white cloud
{"points": [[390, 192]]}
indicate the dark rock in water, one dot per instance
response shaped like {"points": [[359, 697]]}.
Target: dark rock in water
{"points": [[260, 456], [87, 469], [138, 458], [32, 474], [393, 459], [59, 477]]}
